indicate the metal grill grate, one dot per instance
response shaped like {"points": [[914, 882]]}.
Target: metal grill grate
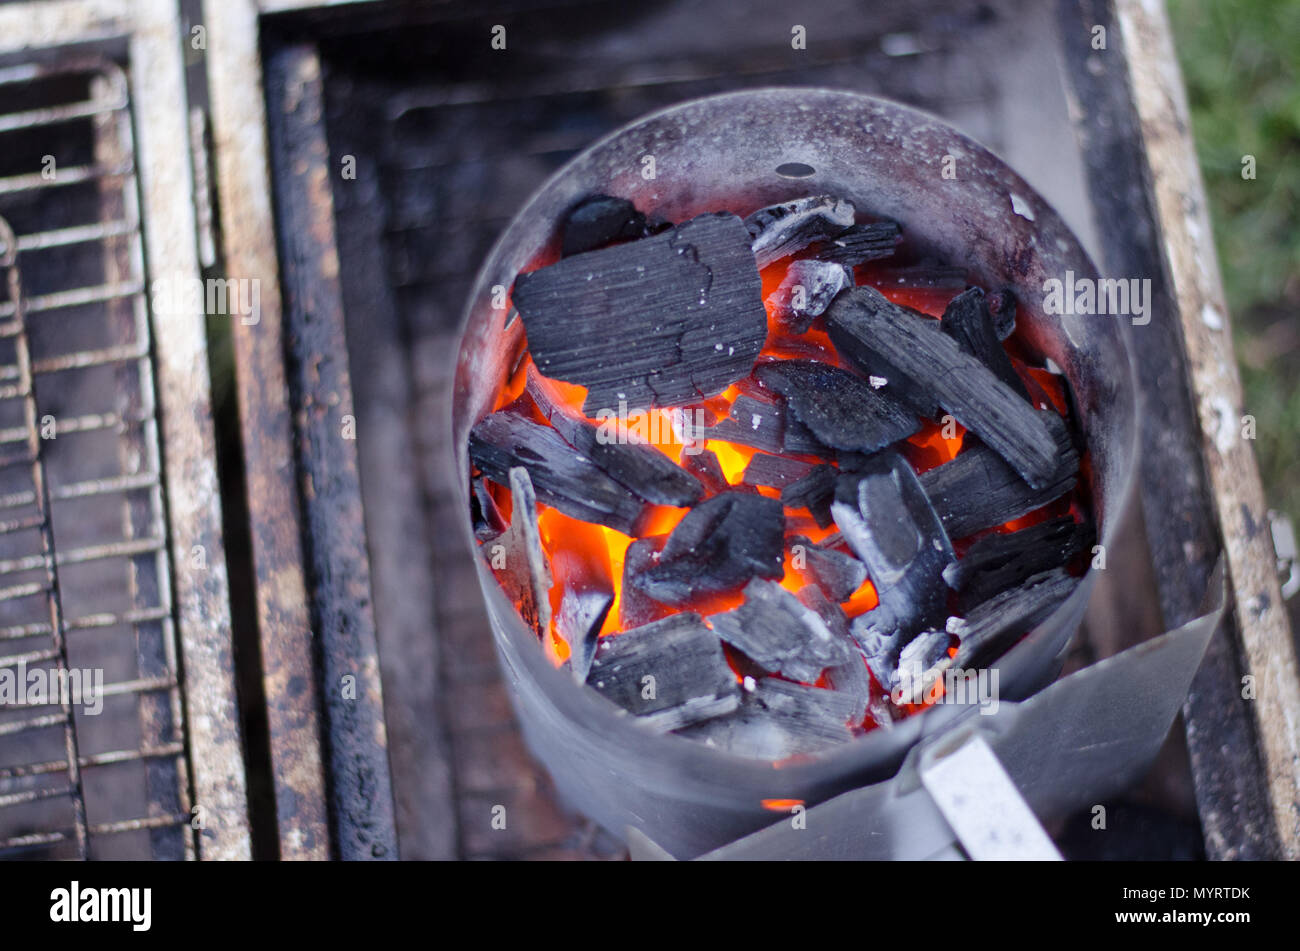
{"points": [[85, 576]]}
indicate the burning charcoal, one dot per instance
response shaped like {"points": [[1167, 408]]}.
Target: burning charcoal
{"points": [[837, 574], [968, 321], [485, 515], [663, 321], [814, 492], [778, 719], [717, 546], [642, 468], [941, 277], [634, 607], [926, 652], [862, 243], [777, 632], [561, 477], [781, 230], [581, 569], [704, 465], [805, 293], [1002, 305], [1000, 561], [799, 439], [841, 410], [864, 321], [978, 489], [775, 471], [989, 630], [881, 641], [897, 534], [754, 421], [850, 678], [669, 674], [526, 577], [599, 219]]}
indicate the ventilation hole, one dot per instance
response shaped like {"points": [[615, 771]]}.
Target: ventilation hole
{"points": [[795, 170]]}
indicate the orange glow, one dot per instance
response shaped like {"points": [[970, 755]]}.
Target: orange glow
{"points": [[861, 601], [781, 805], [935, 448], [732, 457]]}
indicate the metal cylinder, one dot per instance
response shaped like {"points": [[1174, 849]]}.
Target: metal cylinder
{"points": [[738, 152]]}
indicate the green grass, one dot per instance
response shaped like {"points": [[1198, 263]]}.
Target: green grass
{"points": [[1241, 63]]}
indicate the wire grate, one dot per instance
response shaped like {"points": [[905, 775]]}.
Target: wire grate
{"points": [[85, 574]]}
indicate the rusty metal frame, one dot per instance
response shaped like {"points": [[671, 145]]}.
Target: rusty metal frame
{"points": [[332, 781], [151, 32]]}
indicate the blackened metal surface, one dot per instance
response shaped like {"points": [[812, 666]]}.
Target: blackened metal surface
{"points": [[359, 783]]}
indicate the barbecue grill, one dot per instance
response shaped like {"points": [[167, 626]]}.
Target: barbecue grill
{"points": [[297, 658]]}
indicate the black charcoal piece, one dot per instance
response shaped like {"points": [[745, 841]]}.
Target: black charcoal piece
{"points": [[561, 477], [635, 608], [781, 230], [990, 629], [1002, 305], [799, 439], [1000, 561], [717, 546], [863, 321], [814, 492], [597, 220], [485, 514], [862, 243], [850, 678], [778, 719], [842, 411], [642, 468], [979, 490], [585, 600], [881, 640], [525, 575], [837, 573], [757, 421], [663, 321], [775, 471], [939, 277], [967, 320], [806, 291], [900, 539], [704, 465], [778, 632], [668, 674]]}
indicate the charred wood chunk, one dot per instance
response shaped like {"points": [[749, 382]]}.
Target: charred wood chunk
{"points": [[636, 608], [663, 321], [1001, 561], [561, 477], [881, 640], [836, 573], [778, 719], [850, 678], [778, 231], [968, 320], [864, 321], [669, 674], [1002, 305], [814, 492], [800, 440], [485, 514], [900, 539], [842, 411], [806, 291], [757, 421], [586, 594], [924, 654], [598, 220], [717, 546], [778, 632], [861, 243], [704, 465], [643, 469], [986, 633], [526, 577], [775, 471], [978, 489]]}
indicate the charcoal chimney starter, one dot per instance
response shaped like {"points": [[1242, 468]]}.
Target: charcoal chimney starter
{"points": [[738, 152]]}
